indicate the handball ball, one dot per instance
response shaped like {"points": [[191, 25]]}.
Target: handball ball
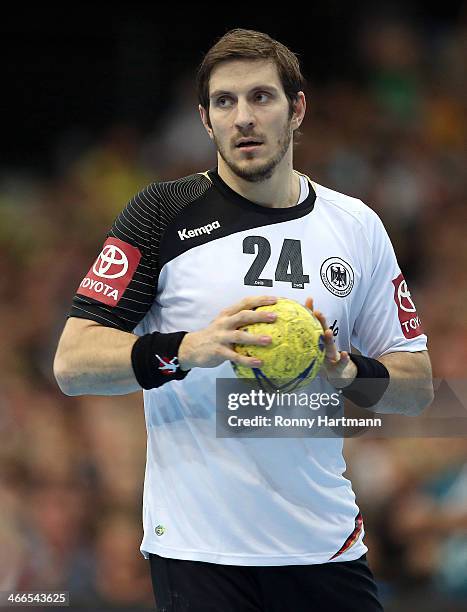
{"points": [[296, 352]]}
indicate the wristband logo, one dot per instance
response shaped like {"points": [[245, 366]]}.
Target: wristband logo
{"points": [[116, 263], [408, 318], [166, 366]]}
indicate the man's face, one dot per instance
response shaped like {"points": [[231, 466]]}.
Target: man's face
{"points": [[249, 117]]}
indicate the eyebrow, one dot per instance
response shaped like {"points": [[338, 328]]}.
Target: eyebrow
{"points": [[223, 92]]}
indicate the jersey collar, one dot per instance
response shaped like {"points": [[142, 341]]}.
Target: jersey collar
{"points": [[307, 204]]}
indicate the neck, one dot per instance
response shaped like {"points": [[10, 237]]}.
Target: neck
{"points": [[282, 190]]}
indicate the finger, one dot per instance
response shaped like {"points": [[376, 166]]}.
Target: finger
{"points": [[242, 337], [321, 318], [249, 362], [341, 360], [246, 317], [248, 303], [331, 352], [344, 359], [330, 349], [309, 303]]}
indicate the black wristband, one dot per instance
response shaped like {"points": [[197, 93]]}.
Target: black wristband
{"points": [[154, 358], [369, 385]]}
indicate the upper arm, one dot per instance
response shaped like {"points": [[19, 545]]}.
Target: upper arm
{"points": [[408, 364], [74, 330], [75, 326], [387, 321], [120, 286]]}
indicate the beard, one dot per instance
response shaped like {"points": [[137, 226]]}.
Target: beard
{"points": [[258, 173]]}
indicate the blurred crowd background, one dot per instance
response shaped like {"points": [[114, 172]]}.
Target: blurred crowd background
{"points": [[386, 122]]}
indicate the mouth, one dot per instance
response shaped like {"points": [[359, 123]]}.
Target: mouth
{"points": [[248, 145]]}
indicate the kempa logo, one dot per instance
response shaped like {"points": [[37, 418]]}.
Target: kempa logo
{"points": [[206, 229]]}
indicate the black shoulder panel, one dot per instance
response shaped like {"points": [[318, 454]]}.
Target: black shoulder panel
{"points": [[141, 224], [173, 197]]}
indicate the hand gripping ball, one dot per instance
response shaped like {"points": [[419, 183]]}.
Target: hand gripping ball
{"points": [[296, 352]]}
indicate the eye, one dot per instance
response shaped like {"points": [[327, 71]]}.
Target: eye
{"points": [[262, 96], [223, 101]]}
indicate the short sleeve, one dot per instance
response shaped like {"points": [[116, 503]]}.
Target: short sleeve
{"points": [[120, 286], [388, 320]]}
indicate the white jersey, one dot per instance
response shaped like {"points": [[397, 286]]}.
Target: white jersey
{"points": [[192, 248]]}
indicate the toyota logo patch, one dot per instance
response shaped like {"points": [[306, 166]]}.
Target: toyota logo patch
{"points": [[111, 263]]}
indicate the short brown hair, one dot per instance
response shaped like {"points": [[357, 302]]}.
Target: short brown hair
{"points": [[252, 45]]}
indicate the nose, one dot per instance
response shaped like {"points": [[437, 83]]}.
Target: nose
{"points": [[245, 117]]}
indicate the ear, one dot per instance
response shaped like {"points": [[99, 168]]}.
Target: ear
{"points": [[205, 119], [299, 110]]}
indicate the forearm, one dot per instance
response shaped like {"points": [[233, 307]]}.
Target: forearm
{"points": [[95, 360], [408, 390]]}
